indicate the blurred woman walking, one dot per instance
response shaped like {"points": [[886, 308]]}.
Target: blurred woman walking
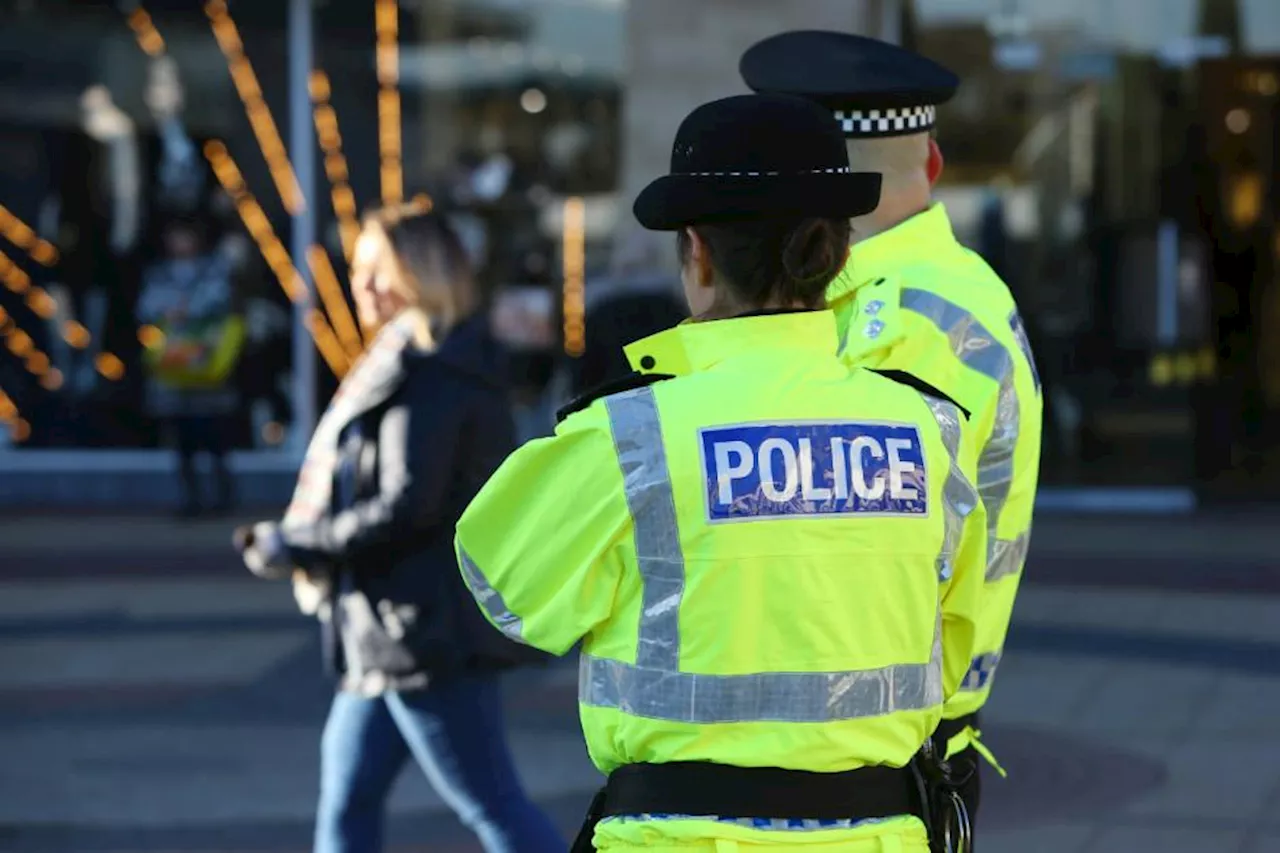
{"points": [[414, 430]]}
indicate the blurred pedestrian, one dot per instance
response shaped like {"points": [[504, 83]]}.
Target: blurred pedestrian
{"points": [[773, 562], [193, 333], [409, 437], [912, 298]]}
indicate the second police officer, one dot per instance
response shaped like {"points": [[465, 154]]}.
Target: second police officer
{"points": [[772, 562], [912, 298]]}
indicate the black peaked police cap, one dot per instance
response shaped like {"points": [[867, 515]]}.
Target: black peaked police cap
{"points": [[872, 87], [750, 156]]}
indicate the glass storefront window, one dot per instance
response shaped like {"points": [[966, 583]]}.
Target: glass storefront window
{"points": [[1114, 160], [1081, 162], [152, 302], [506, 110]]}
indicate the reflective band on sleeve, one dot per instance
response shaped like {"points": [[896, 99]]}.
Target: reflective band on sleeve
{"points": [[637, 439], [970, 340], [959, 495], [654, 687], [1024, 343], [995, 475], [1007, 557], [979, 350], [490, 599]]}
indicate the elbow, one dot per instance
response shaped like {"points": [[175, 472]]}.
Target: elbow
{"points": [[489, 598], [493, 605]]}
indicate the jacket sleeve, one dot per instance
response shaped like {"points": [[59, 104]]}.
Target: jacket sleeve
{"points": [[962, 592], [540, 546], [417, 444]]}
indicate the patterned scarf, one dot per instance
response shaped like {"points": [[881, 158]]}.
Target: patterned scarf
{"points": [[371, 380]]}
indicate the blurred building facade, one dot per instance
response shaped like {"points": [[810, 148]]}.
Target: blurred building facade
{"points": [[1115, 161]]}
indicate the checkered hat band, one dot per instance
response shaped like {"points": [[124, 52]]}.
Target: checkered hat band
{"points": [[836, 170], [877, 122]]}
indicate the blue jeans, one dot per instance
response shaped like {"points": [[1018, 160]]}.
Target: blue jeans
{"points": [[455, 733]]}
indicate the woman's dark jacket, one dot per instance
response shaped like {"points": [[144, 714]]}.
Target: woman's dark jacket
{"points": [[408, 465]]}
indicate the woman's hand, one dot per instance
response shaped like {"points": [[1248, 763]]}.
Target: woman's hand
{"points": [[242, 538], [264, 552], [310, 592]]}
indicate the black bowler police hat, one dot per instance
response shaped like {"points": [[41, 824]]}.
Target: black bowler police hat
{"points": [[749, 156], [874, 88]]}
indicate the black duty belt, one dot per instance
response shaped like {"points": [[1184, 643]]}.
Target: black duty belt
{"points": [[948, 729], [701, 788], [706, 789]]}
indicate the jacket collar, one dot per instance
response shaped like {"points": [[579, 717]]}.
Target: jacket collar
{"points": [[695, 346], [877, 256]]}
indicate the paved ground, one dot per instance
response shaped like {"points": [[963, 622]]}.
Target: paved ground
{"points": [[153, 698]]}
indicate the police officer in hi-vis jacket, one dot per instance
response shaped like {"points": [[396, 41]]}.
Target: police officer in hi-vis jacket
{"points": [[773, 562], [912, 298]]}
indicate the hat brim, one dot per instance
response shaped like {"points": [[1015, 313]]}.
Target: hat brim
{"points": [[673, 202]]}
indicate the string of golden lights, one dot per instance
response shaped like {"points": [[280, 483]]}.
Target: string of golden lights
{"points": [[335, 303], [387, 55], [148, 36], [45, 253], [335, 164], [23, 347], [19, 429], [24, 237], [275, 254], [264, 126], [574, 261], [46, 307], [250, 211]]}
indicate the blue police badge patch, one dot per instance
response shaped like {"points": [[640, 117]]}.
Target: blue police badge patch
{"points": [[763, 471]]}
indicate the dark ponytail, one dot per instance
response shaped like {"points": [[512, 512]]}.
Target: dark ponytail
{"points": [[775, 261], [812, 257]]}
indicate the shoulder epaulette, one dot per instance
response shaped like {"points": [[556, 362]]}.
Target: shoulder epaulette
{"points": [[913, 381], [606, 389]]}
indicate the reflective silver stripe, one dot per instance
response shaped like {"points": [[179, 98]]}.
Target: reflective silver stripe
{"points": [[637, 439], [995, 469], [958, 495], [490, 599], [1019, 330], [784, 697], [995, 475], [978, 349], [959, 499], [970, 340], [1007, 557], [654, 687]]}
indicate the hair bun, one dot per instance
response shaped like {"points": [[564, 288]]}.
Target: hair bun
{"points": [[813, 254]]}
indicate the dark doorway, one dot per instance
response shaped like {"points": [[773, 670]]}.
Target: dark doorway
{"points": [[1238, 415]]}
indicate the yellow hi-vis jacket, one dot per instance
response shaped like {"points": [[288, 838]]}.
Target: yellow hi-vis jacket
{"points": [[771, 560], [913, 299]]}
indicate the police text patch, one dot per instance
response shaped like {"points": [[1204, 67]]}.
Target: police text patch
{"points": [[770, 470]]}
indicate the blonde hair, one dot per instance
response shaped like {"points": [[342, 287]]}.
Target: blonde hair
{"points": [[435, 274]]}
